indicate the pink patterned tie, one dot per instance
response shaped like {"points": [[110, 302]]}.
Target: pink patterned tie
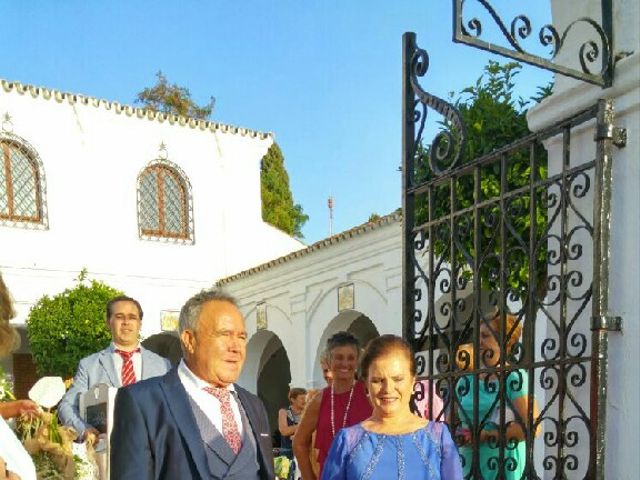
{"points": [[229, 426], [127, 373]]}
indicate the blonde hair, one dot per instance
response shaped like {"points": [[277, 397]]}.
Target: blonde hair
{"points": [[9, 338], [513, 327]]}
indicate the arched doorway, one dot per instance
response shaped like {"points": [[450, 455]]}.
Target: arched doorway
{"points": [[273, 376], [363, 329]]}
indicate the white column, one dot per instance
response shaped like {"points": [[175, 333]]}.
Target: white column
{"points": [[570, 96]]}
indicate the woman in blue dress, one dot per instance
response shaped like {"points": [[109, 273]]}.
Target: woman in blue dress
{"points": [[393, 443]]}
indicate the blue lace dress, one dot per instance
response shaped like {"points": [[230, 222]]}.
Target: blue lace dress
{"points": [[426, 454]]}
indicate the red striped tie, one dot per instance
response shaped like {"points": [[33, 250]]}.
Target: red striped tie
{"points": [[230, 430], [127, 373]]}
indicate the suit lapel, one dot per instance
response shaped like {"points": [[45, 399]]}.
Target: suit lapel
{"points": [[176, 397], [106, 362], [219, 446], [256, 427], [213, 438]]}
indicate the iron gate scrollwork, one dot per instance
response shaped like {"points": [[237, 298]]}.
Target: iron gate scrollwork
{"points": [[505, 287], [597, 49]]}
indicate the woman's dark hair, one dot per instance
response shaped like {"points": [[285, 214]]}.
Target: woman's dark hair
{"points": [[296, 392], [384, 345], [341, 339]]}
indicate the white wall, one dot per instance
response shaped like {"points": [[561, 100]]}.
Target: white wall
{"points": [[92, 152], [301, 297], [570, 96]]}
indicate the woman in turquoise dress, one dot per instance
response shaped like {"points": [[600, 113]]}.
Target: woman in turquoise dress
{"points": [[516, 387], [393, 443]]}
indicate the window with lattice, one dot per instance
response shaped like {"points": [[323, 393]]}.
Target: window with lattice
{"points": [[163, 203], [20, 189]]}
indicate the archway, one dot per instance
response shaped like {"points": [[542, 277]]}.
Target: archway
{"points": [[267, 373], [273, 380]]}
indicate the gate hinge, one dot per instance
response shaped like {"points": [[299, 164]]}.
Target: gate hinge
{"points": [[619, 137], [606, 322]]}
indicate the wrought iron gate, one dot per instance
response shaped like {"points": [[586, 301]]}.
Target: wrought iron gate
{"points": [[505, 286]]}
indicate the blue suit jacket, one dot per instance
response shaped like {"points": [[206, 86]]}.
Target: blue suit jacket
{"points": [[99, 368], [155, 435]]}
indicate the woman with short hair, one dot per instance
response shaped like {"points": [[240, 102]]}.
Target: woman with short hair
{"points": [[392, 442], [289, 418], [341, 404]]}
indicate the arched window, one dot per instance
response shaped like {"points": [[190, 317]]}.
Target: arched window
{"points": [[164, 203], [21, 184]]}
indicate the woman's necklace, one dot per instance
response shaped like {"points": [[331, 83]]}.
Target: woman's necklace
{"points": [[346, 410]]}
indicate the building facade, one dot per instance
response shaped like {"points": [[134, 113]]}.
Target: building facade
{"points": [[155, 205]]}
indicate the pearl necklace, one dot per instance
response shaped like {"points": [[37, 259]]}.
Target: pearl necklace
{"points": [[346, 410]]}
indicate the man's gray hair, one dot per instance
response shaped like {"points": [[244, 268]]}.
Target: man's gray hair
{"points": [[191, 309]]}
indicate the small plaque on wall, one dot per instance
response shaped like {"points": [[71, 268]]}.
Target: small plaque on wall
{"points": [[345, 297], [169, 320], [261, 316]]}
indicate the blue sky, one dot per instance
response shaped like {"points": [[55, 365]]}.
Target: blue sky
{"points": [[324, 76]]}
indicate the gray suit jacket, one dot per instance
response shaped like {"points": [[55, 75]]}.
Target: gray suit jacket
{"points": [[99, 368]]}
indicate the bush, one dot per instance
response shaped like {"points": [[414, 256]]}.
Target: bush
{"points": [[494, 118], [69, 326]]}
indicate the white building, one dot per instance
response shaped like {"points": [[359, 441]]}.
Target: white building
{"points": [[350, 281], [156, 205]]}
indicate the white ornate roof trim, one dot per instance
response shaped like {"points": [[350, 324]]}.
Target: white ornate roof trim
{"points": [[119, 108], [339, 237]]}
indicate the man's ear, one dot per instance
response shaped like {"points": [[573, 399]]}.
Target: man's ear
{"points": [[188, 339]]}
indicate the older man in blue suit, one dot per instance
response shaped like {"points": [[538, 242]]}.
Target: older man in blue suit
{"points": [[121, 363], [195, 422]]}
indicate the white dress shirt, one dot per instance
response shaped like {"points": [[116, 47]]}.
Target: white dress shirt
{"points": [[136, 358], [209, 404]]}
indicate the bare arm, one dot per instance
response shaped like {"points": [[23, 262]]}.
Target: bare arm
{"points": [[16, 408], [285, 429], [514, 429], [302, 440], [6, 474], [521, 407]]}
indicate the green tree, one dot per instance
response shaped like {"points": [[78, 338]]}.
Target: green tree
{"points": [[172, 98], [494, 118], [67, 327], [278, 207]]}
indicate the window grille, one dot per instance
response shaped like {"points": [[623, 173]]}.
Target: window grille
{"points": [[21, 184], [164, 204]]}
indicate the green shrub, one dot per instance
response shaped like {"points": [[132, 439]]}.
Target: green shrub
{"points": [[69, 326]]}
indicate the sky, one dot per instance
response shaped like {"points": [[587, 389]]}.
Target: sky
{"points": [[323, 76]]}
